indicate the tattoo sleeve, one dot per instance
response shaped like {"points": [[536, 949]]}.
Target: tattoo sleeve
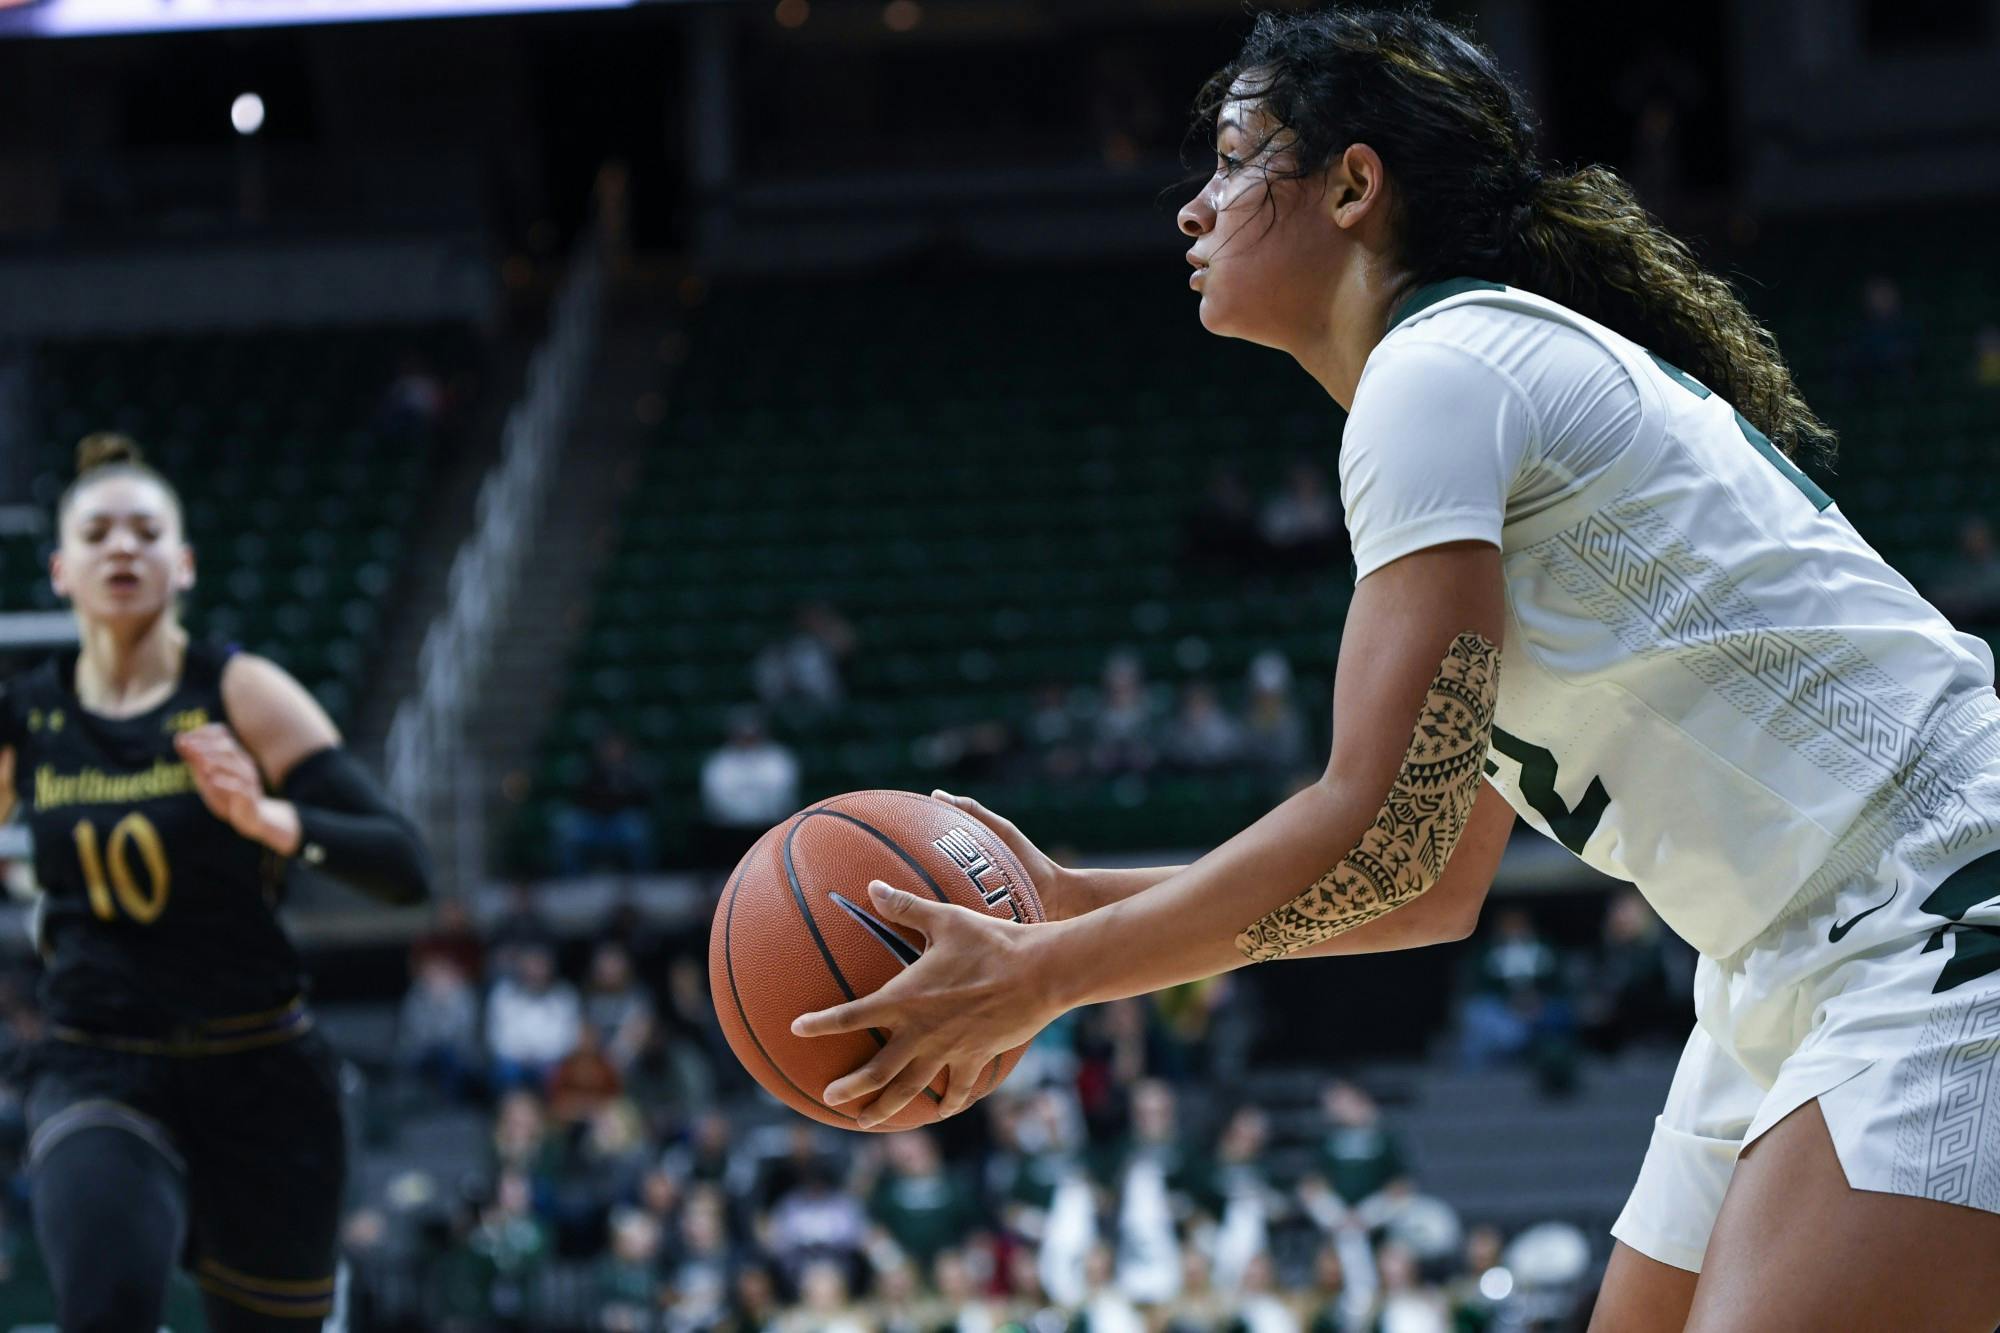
{"points": [[1405, 850]]}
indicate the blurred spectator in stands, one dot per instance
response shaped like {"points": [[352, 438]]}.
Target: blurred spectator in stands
{"points": [[451, 937], [1986, 357], [1424, 1224], [824, 1304], [1886, 343], [1301, 524], [1234, 1188], [1106, 1308], [967, 1307], [1198, 1308], [1153, 1137], [1202, 735], [900, 1304], [1221, 533], [1328, 1305], [1629, 990], [918, 1202], [1259, 1308], [607, 819], [1273, 728], [522, 1142], [438, 1032], [520, 925], [1403, 1303], [628, 1277], [968, 752], [618, 1005], [1358, 1156], [1471, 1306], [607, 1167], [1122, 738], [1036, 1145], [754, 1305], [1112, 1055], [748, 785], [803, 1156], [695, 1029], [414, 401], [532, 1020], [698, 1275], [1517, 1005], [1052, 732], [1968, 589], [1200, 1029], [509, 1250], [817, 1221], [802, 670], [705, 1157], [583, 1080]]}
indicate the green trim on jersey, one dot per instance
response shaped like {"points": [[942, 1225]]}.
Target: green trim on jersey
{"points": [[1423, 298], [1758, 439]]}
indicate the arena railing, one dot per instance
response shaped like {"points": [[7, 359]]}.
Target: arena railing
{"points": [[433, 767]]}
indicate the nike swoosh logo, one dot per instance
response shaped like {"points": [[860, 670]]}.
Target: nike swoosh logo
{"points": [[905, 952], [1840, 928]]}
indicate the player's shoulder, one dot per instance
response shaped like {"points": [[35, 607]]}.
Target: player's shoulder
{"points": [[36, 689]]}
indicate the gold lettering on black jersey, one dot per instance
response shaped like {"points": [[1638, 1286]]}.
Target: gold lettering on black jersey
{"points": [[188, 719], [91, 786]]}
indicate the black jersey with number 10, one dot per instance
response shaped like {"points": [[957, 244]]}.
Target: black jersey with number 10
{"points": [[160, 917]]}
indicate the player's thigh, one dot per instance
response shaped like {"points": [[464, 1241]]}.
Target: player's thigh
{"points": [[1642, 1295], [111, 1217], [265, 1183], [1795, 1248]]}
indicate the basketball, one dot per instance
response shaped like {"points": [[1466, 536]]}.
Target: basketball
{"points": [[795, 932]]}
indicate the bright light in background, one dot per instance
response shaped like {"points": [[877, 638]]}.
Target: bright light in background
{"points": [[246, 113], [1496, 1284], [902, 15], [793, 13]]}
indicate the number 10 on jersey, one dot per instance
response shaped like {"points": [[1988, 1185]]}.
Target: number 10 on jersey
{"points": [[133, 831]]}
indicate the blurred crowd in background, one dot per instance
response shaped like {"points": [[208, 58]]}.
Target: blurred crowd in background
{"points": [[631, 1178]]}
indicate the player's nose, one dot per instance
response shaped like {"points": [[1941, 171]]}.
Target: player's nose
{"points": [[1196, 217]]}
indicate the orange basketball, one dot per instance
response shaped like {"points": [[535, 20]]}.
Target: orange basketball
{"points": [[796, 932]]}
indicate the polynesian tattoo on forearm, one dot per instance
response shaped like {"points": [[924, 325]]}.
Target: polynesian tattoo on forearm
{"points": [[1405, 851]]}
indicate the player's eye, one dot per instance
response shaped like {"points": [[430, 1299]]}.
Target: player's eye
{"points": [[1226, 164]]}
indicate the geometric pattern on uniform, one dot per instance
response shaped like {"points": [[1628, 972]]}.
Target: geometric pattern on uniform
{"points": [[1948, 1139], [1805, 687]]}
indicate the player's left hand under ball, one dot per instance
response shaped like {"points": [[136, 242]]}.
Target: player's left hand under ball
{"points": [[973, 994]]}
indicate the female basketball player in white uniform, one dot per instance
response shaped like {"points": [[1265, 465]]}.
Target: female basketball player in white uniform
{"points": [[1595, 592]]}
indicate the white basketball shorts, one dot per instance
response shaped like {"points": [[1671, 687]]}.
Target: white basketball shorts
{"points": [[1882, 999]]}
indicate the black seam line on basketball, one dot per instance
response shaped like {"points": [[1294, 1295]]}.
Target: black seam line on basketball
{"points": [[729, 965], [805, 912], [891, 941]]}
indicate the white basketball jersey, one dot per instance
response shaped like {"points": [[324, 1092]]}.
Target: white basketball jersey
{"points": [[1711, 685]]}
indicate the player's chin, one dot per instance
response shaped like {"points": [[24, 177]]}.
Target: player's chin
{"points": [[1214, 310]]}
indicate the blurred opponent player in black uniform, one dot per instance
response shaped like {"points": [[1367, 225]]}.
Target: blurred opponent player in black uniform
{"points": [[181, 1107]]}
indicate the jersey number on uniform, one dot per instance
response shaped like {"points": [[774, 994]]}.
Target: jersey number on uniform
{"points": [[1572, 828], [1758, 439], [133, 831]]}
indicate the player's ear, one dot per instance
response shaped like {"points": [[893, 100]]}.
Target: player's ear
{"points": [[57, 578], [184, 569]]}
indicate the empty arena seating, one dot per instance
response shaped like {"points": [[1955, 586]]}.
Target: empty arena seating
{"points": [[300, 489], [988, 475]]}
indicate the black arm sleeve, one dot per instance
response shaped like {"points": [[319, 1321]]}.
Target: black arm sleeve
{"points": [[348, 829]]}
